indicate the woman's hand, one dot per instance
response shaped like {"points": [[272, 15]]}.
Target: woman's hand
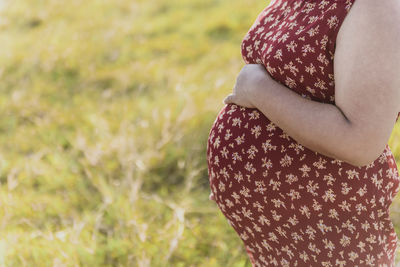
{"points": [[252, 77]]}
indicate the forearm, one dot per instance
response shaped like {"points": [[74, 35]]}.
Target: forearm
{"points": [[320, 127]]}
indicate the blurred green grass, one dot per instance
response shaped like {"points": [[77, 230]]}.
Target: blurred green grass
{"points": [[105, 112]]}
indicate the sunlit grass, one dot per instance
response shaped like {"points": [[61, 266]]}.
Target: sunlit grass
{"points": [[105, 112]]}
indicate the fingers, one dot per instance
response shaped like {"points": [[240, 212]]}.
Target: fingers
{"points": [[228, 99]]}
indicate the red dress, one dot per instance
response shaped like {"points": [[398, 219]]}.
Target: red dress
{"points": [[292, 206]]}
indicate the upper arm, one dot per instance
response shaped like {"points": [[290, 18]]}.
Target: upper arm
{"points": [[367, 73]]}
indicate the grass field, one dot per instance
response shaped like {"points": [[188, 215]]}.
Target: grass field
{"points": [[105, 112]]}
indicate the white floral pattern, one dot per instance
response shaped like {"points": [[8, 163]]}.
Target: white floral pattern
{"points": [[292, 206]]}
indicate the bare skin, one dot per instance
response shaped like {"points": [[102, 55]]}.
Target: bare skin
{"points": [[367, 89]]}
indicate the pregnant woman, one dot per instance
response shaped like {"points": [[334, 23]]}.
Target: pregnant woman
{"points": [[298, 159]]}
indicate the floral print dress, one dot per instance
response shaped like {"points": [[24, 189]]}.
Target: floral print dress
{"points": [[292, 206]]}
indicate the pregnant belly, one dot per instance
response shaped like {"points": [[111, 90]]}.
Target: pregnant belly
{"points": [[246, 150], [262, 179], [244, 146], [241, 135]]}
